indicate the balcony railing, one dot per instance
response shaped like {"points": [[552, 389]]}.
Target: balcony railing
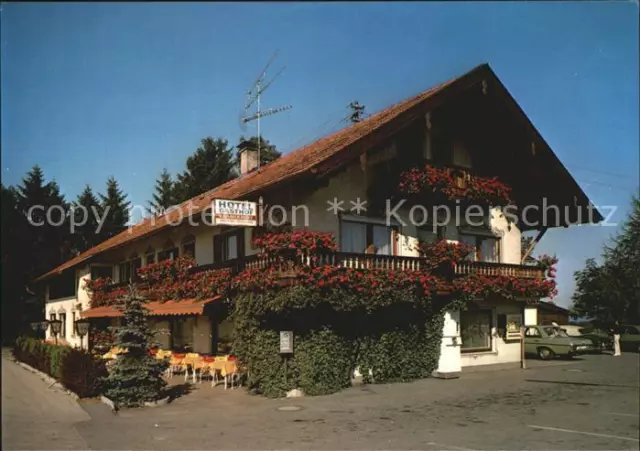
{"points": [[498, 269], [365, 261]]}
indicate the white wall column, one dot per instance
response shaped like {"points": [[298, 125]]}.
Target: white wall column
{"points": [[530, 316], [449, 362]]}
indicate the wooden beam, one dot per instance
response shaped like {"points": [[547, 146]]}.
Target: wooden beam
{"points": [[535, 241]]}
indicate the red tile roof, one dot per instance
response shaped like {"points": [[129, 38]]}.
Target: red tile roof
{"points": [[181, 307], [285, 168]]}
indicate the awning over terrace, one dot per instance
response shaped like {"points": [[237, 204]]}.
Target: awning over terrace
{"points": [[181, 307]]}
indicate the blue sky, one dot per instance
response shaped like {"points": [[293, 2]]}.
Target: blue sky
{"points": [[91, 90]]}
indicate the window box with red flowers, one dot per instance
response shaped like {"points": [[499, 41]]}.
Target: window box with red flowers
{"points": [[442, 183]]}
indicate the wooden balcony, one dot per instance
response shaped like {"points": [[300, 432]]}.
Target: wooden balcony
{"points": [[386, 262], [364, 261], [498, 269]]}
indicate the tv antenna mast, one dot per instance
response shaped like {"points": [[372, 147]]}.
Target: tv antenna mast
{"points": [[254, 97]]}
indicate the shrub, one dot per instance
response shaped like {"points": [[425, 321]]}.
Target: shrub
{"points": [[76, 369], [81, 372]]}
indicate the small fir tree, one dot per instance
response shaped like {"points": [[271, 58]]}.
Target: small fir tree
{"points": [[136, 376]]}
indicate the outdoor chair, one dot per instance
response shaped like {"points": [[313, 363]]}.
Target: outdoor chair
{"points": [[176, 364]]}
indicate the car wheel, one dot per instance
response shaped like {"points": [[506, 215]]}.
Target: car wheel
{"points": [[546, 353]]}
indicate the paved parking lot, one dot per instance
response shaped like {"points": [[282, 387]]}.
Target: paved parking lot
{"points": [[591, 403]]}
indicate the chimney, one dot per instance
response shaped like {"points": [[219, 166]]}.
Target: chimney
{"points": [[248, 157]]}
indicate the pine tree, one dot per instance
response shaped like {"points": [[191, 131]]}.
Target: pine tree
{"points": [[164, 195], [136, 376], [210, 166], [268, 151], [14, 265], [117, 215], [85, 209], [45, 211]]}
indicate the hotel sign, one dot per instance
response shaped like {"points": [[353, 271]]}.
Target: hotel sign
{"points": [[235, 213]]}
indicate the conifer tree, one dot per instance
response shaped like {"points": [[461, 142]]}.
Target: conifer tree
{"points": [[136, 376], [85, 208], [164, 195], [211, 165], [115, 203]]}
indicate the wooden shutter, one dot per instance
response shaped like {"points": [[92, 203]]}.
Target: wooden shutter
{"points": [[218, 246], [240, 242]]}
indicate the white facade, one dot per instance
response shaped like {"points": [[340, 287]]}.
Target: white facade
{"points": [[68, 310]]}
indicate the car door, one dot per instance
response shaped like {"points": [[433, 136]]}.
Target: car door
{"points": [[532, 339]]}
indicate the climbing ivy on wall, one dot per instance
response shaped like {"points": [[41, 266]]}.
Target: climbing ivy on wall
{"points": [[395, 341]]}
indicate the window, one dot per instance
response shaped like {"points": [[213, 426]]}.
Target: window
{"points": [[427, 234], [358, 236], [136, 264], [487, 248], [63, 326], [124, 272], [228, 246], [461, 156], [169, 252], [441, 148], [189, 246], [475, 328], [182, 333], [150, 257], [101, 272], [52, 316], [532, 332]]}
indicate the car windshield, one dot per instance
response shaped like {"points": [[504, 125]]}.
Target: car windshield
{"points": [[555, 332]]}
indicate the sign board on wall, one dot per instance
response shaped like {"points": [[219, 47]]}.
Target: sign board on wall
{"points": [[235, 213], [514, 324], [286, 342]]}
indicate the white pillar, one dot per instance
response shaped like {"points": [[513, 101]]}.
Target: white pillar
{"points": [[530, 316], [449, 362]]}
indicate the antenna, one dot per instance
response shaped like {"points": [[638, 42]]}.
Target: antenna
{"points": [[254, 95]]}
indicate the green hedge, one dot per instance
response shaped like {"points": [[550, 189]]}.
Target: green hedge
{"points": [[76, 369], [397, 340]]}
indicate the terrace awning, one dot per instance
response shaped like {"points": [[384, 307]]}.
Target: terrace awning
{"points": [[181, 307]]}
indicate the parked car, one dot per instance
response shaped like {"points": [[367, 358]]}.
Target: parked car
{"points": [[630, 338], [601, 340], [549, 341]]}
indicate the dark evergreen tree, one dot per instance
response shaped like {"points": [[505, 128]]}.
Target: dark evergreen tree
{"points": [[46, 212], [14, 265], [210, 166], [268, 151], [164, 195], [611, 291], [357, 111], [136, 376], [85, 209], [117, 215]]}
